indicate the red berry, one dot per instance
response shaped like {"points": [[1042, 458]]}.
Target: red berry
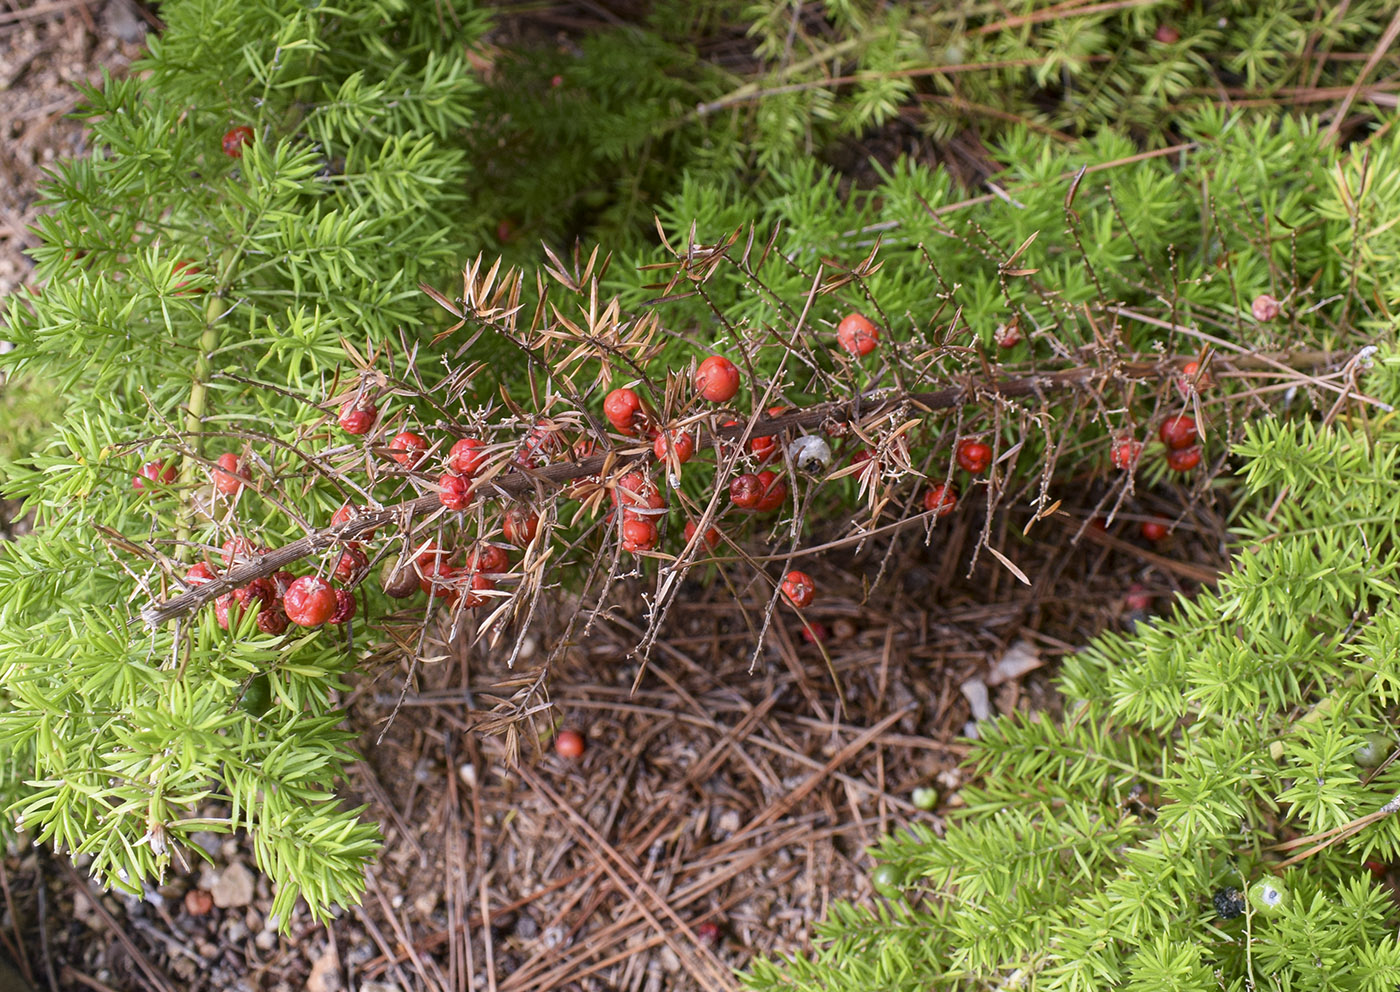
{"points": [[799, 589], [429, 552], [272, 620], [709, 933], [1125, 452], [199, 574], [857, 334], [543, 441], [1265, 308], [238, 550], [310, 601], [222, 606], [623, 408], [282, 581], [467, 456], [1178, 432], [455, 491], [154, 472], [745, 491], [226, 476], [261, 591], [712, 536], [569, 744], [1377, 868], [1137, 598], [344, 606], [1008, 335], [1183, 459], [717, 379], [680, 443], [815, 633], [435, 577], [1155, 530], [186, 267], [1192, 380], [941, 499], [358, 418], [472, 597], [774, 491], [974, 456], [235, 138], [1099, 524], [488, 559], [519, 526], [408, 449], [638, 535], [350, 564], [764, 448], [1167, 34]]}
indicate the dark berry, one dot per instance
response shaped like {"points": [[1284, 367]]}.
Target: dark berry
{"points": [[344, 606], [1229, 903]]}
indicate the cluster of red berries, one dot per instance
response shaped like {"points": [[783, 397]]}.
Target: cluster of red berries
{"points": [[1178, 434], [281, 598], [642, 503]]}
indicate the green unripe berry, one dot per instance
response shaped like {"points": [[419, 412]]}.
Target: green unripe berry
{"points": [[1268, 896], [886, 880], [1373, 749], [925, 798]]}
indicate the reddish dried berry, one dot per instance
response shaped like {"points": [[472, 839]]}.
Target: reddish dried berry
{"points": [[260, 591], [199, 574], [774, 492], [408, 449], [717, 379], [1137, 598], [235, 138], [455, 491], [1377, 868], [475, 586], [238, 550], [272, 620], [519, 526], [358, 418], [310, 601], [569, 744], [1008, 335], [799, 589], [344, 606], [226, 476], [679, 443], [764, 448], [435, 577], [467, 456], [1178, 432], [1184, 459], [857, 334], [1192, 379], [1166, 34], [623, 408], [222, 607], [282, 581], [429, 552], [711, 538], [1155, 530], [488, 559], [709, 933], [350, 564], [941, 499], [1125, 452], [154, 472], [974, 456], [198, 902], [638, 535], [1265, 308], [815, 633], [745, 491]]}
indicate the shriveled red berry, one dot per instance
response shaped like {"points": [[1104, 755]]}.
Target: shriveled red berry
{"points": [[272, 620], [1125, 452], [638, 535], [1192, 379], [471, 594], [186, 267], [1137, 598], [235, 138], [941, 499], [199, 902], [344, 606], [1178, 432], [358, 418], [154, 472], [623, 408], [745, 491], [428, 552], [488, 559], [408, 449], [569, 744], [1183, 459], [1008, 335], [350, 564], [799, 589], [199, 574], [260, 591], [857, 334], [974, 456], [1377, 868], [226, 476], [711, 537], [774, 491], [709, 933], [717, 379], [455, 491], [223, 606], [467, 456], [282, 581], [1155, 530], [815, 633], [1265, 308], [310, 601], [519, 526], [679, 443]]}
